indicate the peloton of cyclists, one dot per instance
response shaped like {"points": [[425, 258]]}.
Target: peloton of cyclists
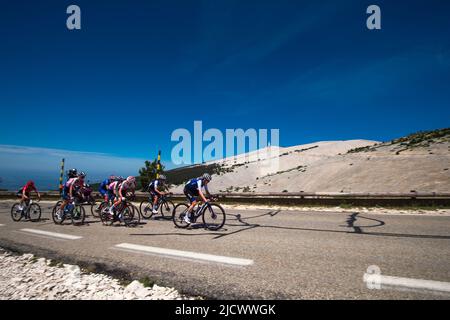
{"points": [[154, 188], [193, 191], [24, 193], [115, 188]]}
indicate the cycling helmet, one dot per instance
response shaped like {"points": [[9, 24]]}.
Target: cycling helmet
{"points": [[112, 178], [82, 174], [72, 173], [131, 179], [162, 177], [206, 176], [30, 183]]}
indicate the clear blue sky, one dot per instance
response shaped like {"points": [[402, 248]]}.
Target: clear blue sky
{"points": [[140, 69]]}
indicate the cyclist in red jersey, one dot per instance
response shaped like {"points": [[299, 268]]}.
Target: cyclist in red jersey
{"points": [[25, 192]]}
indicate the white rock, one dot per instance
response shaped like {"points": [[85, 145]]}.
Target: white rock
{"points": [[28, 256], [133, 287], [37, 280]]}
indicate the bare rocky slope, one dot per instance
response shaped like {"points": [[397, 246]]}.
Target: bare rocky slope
{"points": [[419, 162]]}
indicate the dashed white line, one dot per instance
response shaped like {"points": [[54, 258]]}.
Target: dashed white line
{"points": [[184, 254], [418, 284], [378, 281], [51, 234], [2, 225]]}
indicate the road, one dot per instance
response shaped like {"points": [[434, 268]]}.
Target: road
{"points": [[260, 254]]}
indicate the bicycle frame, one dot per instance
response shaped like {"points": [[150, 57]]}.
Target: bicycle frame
{"points": [[160, 199], [26, 208], [201, 207], [121, 207]]}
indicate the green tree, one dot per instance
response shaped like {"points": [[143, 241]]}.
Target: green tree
{"points": [[148, 173]]}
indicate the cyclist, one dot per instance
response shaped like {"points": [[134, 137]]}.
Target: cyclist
{"points": [[113, 186], [70, 187], [24, 193], [104, 191], [120, 189], [70, 174], [155, 192], [193, 191]]}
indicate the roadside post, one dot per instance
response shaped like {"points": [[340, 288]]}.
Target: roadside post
{"points": [[61, 176], [158, 164]]}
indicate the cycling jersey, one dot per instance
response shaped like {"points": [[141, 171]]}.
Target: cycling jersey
{"points": [[192, 188], [196, 185], [75, 183], [113, 186], [104, 187], [126, 185], [27, 190], [116, 186], [153, 186]]}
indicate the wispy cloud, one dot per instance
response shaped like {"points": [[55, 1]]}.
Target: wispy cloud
{"points": [[35, 150]]}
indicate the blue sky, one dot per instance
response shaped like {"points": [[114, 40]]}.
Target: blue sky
{"points": [[137, 70]]}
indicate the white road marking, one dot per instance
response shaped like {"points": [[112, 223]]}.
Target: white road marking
{"points": [[52, 234], [185, 254], [378, 281], [416, 283], [2, 225]]}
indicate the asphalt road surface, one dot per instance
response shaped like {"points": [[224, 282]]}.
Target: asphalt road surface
{"points": [[259, 254]]}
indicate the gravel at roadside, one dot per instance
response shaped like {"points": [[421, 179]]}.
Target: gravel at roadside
{"points": [[26, 277]]}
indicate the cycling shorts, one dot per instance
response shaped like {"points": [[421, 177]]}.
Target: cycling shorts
{"points": [[191, 194]]}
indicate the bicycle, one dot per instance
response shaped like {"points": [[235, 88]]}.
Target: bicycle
{"points": [[213, 215], [31, 211], [126, 212], [164, 205], [85, 197], [74, 211]]}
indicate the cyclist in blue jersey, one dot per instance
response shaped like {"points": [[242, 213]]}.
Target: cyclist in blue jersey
{"points": [[193, 191], [104, 187], [154, 187]]}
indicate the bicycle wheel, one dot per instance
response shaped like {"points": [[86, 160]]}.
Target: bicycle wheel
{"points": [[166, 208], [58, 218], [78, 215], [94, 207], [34, 212], [146, 209], [16, 213], [59, 203], [179, 212], [106, 218], [213, 217], [131, 216]]}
